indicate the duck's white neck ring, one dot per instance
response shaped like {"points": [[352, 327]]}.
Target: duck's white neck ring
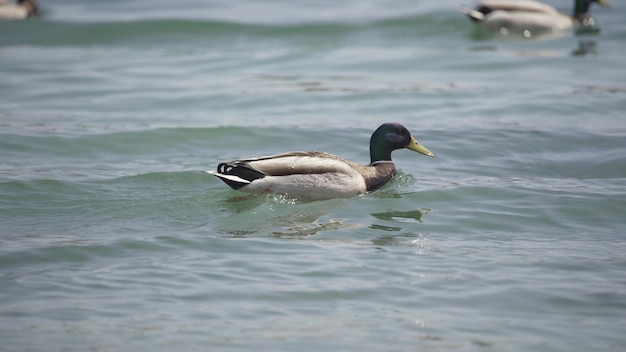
{"points": [[381, 162]]}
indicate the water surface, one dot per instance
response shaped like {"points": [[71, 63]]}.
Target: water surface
{"points": [[113, 238]]}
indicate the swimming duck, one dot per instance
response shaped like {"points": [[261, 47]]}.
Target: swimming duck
{"points": [[529, 17], [318, 175], [18, 11]]}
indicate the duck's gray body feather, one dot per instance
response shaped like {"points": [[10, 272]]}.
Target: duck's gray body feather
{"points": [[308, 175]]}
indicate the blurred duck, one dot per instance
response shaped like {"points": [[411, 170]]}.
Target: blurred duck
{"points": [[18, 10], [529, 17]]}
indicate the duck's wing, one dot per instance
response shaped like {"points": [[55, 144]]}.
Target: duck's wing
{"points": [[517, 5], [239, 173], [289, 164]]}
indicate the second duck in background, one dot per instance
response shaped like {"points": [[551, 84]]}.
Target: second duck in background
{"points": [[529, 18]]}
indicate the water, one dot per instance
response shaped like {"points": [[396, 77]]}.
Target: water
{"points": [[113, 238]]}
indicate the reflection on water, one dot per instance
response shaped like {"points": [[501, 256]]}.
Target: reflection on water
{"points": [[299, 230], [402, 216], [585, 47], [270, 215], [304, 220], [402, 239], [280, 216], [416, 240], [514, 33], [521, 33], [590, 28], [384, 227]]}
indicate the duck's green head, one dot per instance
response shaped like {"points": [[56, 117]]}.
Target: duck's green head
{"points": [[581, 7], [391, 136]]}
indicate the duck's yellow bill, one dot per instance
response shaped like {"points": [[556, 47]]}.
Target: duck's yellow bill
{"points": [[416, 146]]}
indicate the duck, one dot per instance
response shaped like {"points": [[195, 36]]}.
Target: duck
{"points": [[313, 175], [18, 10], [529, 17]]}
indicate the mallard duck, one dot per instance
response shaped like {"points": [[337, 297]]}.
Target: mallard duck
{"points": [[18, 11], [318, 175], [529, 17]]}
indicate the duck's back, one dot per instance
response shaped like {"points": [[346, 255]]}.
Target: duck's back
{"points": [[519, 6], [298, 163]]}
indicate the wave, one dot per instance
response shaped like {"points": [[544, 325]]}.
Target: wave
{"points": [[83, 33]]}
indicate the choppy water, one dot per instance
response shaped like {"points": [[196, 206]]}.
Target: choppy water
{"points": [[112, 238]]}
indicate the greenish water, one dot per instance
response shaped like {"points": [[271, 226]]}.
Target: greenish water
{"points": [[113, 238]]}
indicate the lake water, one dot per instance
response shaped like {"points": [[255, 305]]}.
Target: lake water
{"points": [[112, 238]]}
